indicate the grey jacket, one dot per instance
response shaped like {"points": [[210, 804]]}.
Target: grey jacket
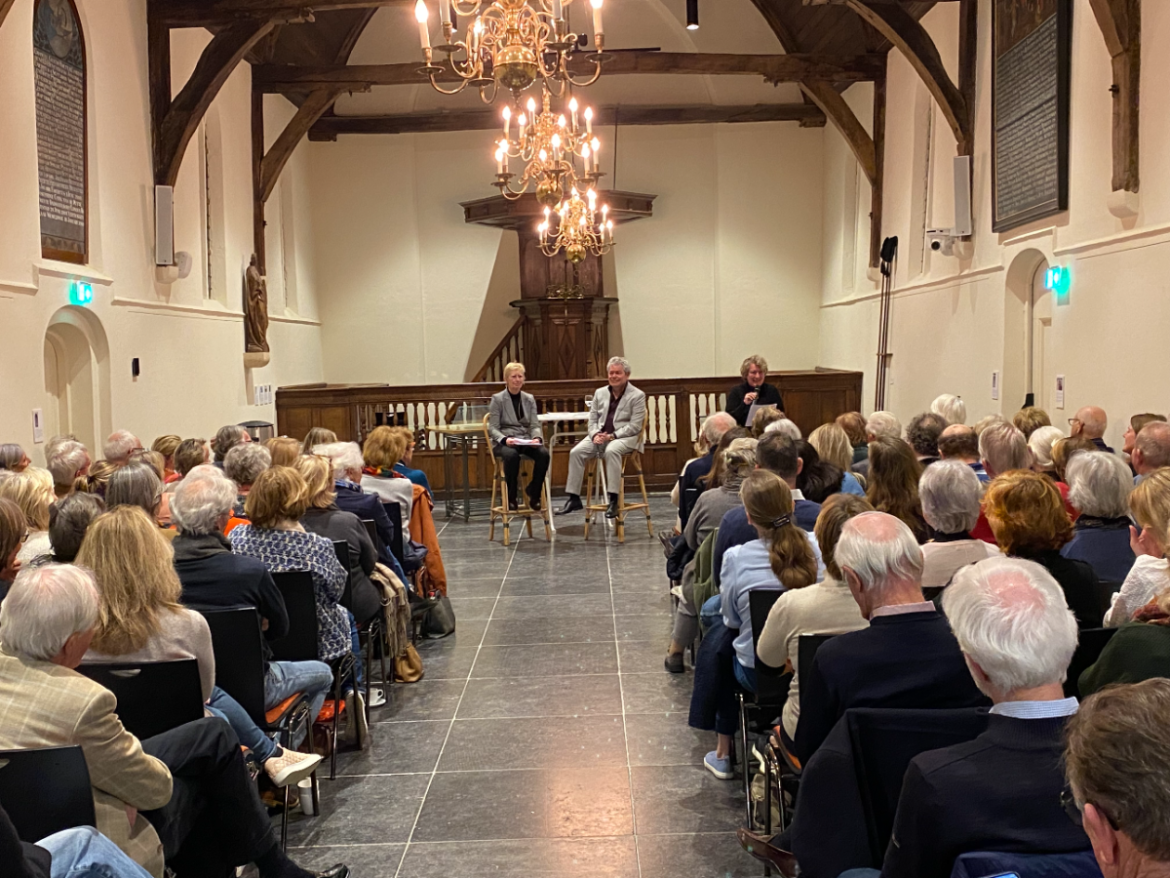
{"points": [[629, 417], [502, 422]]}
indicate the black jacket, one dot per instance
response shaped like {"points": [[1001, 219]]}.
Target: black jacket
{"points": [[212, 577], [1079, 583], [19, 859], [338, 525], [368, 507], [768, 395], [909, 661], [1000, 792]]}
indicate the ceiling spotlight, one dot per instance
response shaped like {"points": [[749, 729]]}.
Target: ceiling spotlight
{"points": [[692, 14]]}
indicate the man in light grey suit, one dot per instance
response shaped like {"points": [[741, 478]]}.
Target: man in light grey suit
{"points": [[513, 417], [615, 428]]}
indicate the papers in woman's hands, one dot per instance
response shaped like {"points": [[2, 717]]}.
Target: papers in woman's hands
{"points": [[516, 441]]}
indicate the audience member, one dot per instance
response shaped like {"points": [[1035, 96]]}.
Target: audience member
{"points": [[95, 481], [212, 577], [879, 425], [1002, 449], [824, 607], [1149, 506], [754, 390], [31, 489], [950, 493], [1028, 521], [13, 458], [1136, 424], [1064, 450], [988, 421], [875, 666], [892, 484], [779, 558], [1151, 450], [319, 436], [383, 448], [832, 444], [1099, 486], [923, 433], [688, 486], [152, 459], [68, 462], [1030, 419], [184, 795], [784, 427], [80, 852], [951, 408], [763, 419], [13, 529], [190, 454], [243, 465], [960, 442], [1090, 422], [1115, 759], [818, 479], [227, 438], [69, 520], [853, 423], [137, 484], [1040, 444], [284, 450], [513, 416], [167, 446], [119, 446], [403, 467], [1138, 651], [1001, 791]]}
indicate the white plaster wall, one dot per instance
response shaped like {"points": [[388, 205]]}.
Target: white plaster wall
{"points": [[947, 329], [193, 379], [730, 260]]}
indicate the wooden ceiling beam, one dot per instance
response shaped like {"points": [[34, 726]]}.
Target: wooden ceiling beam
{"points": [[830, 102], [217, 13], [284, 78], [5, 7], [273, 162], [329, 127], [1121, 25]]}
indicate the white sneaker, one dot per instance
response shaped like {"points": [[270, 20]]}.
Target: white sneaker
{"points": [[290, 767]]}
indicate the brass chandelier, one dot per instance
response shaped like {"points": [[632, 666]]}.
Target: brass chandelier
{"points": [[577, 227], [511, 43], [549, 145]]}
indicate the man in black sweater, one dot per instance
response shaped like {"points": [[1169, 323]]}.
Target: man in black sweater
{"points": [[906, 658], [1002, 791]]}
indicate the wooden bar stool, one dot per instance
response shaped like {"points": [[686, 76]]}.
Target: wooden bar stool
{"points": [[596, 499], [500, 510]]}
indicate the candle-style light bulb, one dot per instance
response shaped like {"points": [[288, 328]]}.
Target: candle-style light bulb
{"points": [[507, 122], [573, 109], [543, 156], [532, 108], [561, 121], [444, 11], [556, 142], [421, 15], [585, 154], [597, 28], [499, 161], [596, 144], [589, 120]]}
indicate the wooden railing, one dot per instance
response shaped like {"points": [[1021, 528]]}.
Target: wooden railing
{"points": [[510, 350], [675, 410]]}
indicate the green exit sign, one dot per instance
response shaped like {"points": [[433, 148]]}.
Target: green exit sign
{"points": [[1059, 280], [80, 293]]}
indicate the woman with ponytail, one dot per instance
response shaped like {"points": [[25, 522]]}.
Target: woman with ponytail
{"points": [[782, 558]]}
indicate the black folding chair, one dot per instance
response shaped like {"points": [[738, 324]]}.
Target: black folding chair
{"points": [[153, 697], [1090, 643], [760, 601], [884, 741], [373, 629], [46, 791], [1105, 592], [398, 542], [301, 642], [240, 668]]}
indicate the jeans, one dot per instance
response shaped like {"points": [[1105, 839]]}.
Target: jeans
{"points": [[284, 679], [861, 873], [710, 611], [356, 642], [86, 853], [746, 677], [227, 708]]}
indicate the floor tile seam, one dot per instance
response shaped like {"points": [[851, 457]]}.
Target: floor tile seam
{"points": [[540, 838], [451, 726]]}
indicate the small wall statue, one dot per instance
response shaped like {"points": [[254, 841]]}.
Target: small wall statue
{"points": [[256, 351]]}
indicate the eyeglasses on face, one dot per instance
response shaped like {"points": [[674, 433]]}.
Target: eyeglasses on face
{"points": [[1074, 811]]}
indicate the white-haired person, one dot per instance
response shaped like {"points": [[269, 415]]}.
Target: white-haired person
{"points": [[68, 462], [754, 389], [1002, 791], [1041, 443], [1119, 777], [1099, 486], [12, 458], [159, 799], [243, 465], [1002, 449], [687, 489], [951, 493], [785, 427], [138, 484], [1151, 449], [950, 407], [119, 446], [616, 417], [31, 489], [514, 428], [881, 561], [1149, 510], [879, 425], [212, 577]]}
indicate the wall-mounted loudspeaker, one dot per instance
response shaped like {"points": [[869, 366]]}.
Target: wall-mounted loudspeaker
{"points": [[962, 181], [164, 225]]}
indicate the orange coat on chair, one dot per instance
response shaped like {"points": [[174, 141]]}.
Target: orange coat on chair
{"points": [[422, 530]]}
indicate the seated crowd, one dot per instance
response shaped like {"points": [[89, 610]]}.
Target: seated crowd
{"points": [[950, 573], [118, 560]]}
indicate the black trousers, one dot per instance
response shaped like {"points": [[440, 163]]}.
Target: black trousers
{"points": [[214, 820], [511, 454]]}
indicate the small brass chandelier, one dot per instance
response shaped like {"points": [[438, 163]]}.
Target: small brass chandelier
{"points": [[511, 43], [578, 229], [549, 145]]}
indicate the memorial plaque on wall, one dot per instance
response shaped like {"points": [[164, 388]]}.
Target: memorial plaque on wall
{"points": [[59, 68], [1031, 51]]}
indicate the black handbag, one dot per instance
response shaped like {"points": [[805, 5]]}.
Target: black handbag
{"points": [[434, 616]]}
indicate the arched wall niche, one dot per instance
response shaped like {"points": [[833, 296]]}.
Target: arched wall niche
{"points": [[1027, 340], [77, 377]]}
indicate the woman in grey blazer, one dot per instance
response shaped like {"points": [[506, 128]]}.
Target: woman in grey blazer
{"points": [[513, 416]]}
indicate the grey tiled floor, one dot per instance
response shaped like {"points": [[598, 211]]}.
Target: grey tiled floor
{"points": [[546, 740]]}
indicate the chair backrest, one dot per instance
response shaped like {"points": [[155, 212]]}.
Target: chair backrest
{"points": [[341, 549], [1090, 642], [372, 531], [45, 791], [981, 864], [238, 644], [884, 741], [771, 683], [1105, 592], [153, 697], [300, 644], [806, 650], [397, 545]]}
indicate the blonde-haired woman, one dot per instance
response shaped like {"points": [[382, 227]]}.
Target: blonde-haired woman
{"points": [[781, 558], [284, 450], [1149, 510], [832, 444], [513, 416], [167, 446], [32, 490], [383, 448], [141, 620], [755, 390]]}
